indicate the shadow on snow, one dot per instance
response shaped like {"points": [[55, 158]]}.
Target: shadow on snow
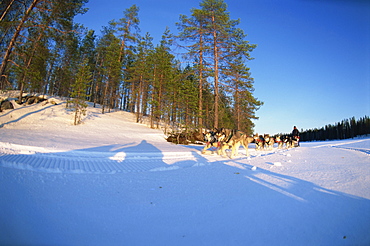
{"points": [[214, 203]]}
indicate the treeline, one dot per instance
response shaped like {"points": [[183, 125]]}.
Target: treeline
{"points": [[348, 128], [44, 51]]}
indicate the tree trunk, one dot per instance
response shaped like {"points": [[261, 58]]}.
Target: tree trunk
{"points": [[152, 113], [139, 100], [159, 109], [200, 101], [215, 58], [122, 47]]}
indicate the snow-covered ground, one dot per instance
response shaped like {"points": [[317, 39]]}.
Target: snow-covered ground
{"points": [[111, 181]]}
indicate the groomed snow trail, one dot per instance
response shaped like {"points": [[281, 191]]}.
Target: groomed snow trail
{"points": [[117, 160], [92, 162]]}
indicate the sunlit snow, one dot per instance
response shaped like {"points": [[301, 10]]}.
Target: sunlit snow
{"points": [[111, 181]]}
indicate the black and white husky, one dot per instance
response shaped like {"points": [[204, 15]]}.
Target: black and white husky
{"points": [[259, 140], [211, 141]]}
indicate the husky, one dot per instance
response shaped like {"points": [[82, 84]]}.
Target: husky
{"points": [[232, 139], [279, 141], [269, 142], [260, 141], [288, 141], [211, 141]]}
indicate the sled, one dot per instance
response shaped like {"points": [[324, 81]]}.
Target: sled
{"points": [[295, 141]]}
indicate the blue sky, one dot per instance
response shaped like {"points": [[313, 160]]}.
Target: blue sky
{"points": [[312, 61]]}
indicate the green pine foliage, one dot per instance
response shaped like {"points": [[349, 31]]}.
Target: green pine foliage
{"points": [[221, 52], [79, 91], [208, 85], [138, 77]]}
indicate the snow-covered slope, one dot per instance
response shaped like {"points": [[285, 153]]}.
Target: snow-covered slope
{"points": [[111, 181]]}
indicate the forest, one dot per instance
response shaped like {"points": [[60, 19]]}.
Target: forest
{"points": [[42, 50], [348, 128]]}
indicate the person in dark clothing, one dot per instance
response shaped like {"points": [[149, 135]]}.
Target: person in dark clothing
{"points": [[295, 135]]}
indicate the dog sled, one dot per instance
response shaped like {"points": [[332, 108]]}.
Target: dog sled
{"points": [[295, 141]]}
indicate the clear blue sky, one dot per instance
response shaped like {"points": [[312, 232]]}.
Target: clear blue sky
{"points": [[312, 62]]}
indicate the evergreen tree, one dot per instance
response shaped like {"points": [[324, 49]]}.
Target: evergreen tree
{"points": [[128, 30], [110, 69], [217, 23], [88, 50], [193, 33], [67, 60], [214, 34], [31, 61], [79, 90], [12, 41], [240, 87], [188, 97], [163, 73], [23, 17], [137, 78]]}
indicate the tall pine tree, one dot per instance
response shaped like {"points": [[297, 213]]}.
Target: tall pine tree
{"points": [[210, 32]]}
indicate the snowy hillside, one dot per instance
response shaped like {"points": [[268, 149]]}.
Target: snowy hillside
{"points": [[111, 181]]}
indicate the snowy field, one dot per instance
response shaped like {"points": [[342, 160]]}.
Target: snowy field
{"points": [[111, 181]]}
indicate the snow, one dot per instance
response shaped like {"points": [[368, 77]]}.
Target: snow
{"points": [[111, 181]]}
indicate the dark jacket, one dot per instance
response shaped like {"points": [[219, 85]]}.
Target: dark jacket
{"points": [[295, 132]]}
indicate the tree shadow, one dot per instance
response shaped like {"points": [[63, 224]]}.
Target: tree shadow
{"points": [[111, 159], [25, 115]]}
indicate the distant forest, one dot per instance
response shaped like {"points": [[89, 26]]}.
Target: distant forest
{"points": [[42, 50], [348, 128]]}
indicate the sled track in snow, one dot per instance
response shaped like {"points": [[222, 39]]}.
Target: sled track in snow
{"points": [[366, 151], [85, 162], [95, 162], [340, 145], [39, 159]]}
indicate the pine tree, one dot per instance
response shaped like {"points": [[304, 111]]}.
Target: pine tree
{"points": [[33, 16], [211, 33], [137, 78], [240, 86], [16, 34], [128, 31], [88, 50], [163, 73], [79, 91], [110, 69], [193, 33], [68, 58]]}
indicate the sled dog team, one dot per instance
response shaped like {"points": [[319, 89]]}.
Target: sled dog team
{"points": [[224, 139]]}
